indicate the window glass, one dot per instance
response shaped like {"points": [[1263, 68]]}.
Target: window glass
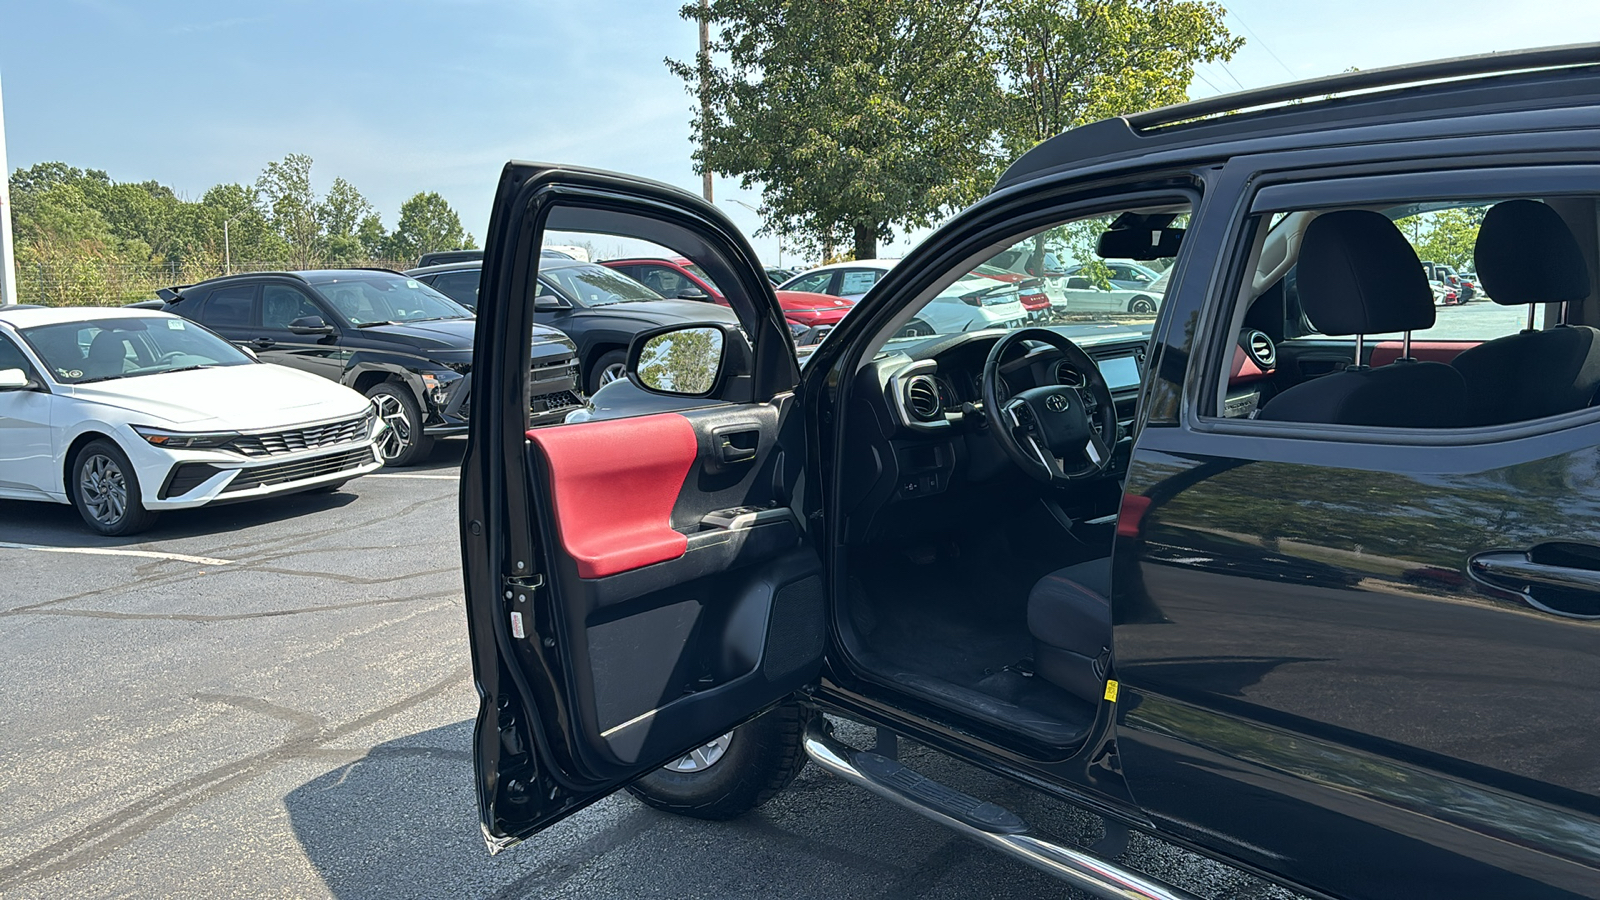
{"points": [[282, 304], [594, 285], [663, 281], [11, 356], [128, 346], [701, 274], [379, 298], [816, 283], [856, 281], [228, 306], [461, 287]]}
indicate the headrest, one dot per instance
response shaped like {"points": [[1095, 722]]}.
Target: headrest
{"points": [[1526, 254], [1357, 275]]}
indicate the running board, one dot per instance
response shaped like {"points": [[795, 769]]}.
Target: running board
{"points": [[985, 822]]}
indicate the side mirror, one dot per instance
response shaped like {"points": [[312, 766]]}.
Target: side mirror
{"points": [[310, 325], [249, 351], [679, 361], [693, 293], [549, 303], [16, 380]]}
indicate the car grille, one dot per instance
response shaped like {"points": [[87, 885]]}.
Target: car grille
{"points": [[299, 470], [555, 402], [278, 443]]}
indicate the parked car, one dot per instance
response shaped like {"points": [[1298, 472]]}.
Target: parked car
{"points": [[850, 280], [1080, 295], [440, 257], [392, 338], [680, 278], [127, 413], [778, 276], [1125, 274], [599, 309], [1162, 571]]}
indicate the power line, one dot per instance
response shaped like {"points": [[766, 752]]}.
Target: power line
{"points": [[1250, 31], [1201, 75], [1229, 72]]}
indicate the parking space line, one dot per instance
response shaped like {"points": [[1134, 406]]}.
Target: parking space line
{"points": [[433, 477], [107, 551]]}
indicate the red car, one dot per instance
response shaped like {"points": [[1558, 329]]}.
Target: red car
{"points": [[679, 278], [1030, 289]]}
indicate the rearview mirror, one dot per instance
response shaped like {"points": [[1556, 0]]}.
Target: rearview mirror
{"points": [[1142, 244], [680, 361], [16, 380], [549, 303], [310, 325]]}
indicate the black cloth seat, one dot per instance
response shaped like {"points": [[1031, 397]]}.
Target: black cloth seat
{"points": [[1069, 617], [1357, 275], [1526, 254]]}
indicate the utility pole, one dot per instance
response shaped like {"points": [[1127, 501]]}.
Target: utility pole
{"points": [[8, 259], [705, 93]]}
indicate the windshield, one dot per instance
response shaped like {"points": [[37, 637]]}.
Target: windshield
{"points": [[127, 347], [593, 285], [1025, 284], [375, 298]]}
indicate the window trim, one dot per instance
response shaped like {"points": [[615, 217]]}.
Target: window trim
{"points": [[1296, 190]]}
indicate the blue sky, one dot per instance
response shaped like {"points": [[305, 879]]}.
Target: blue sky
{"points": [[402, 96]]}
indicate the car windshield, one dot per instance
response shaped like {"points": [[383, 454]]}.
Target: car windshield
{"points": [[377, 298], [595, 285], [126, 346], [1024, 285]]}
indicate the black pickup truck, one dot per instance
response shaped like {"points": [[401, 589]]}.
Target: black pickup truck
{"points": [[390, 337], [1304, 574]]}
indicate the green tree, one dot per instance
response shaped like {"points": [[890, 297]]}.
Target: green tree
{"points": [[291, 206], [427, 223], [341, 213], [854, 118], [1447, 236]]}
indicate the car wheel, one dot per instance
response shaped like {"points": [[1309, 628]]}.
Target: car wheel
{"points": [[611, 366], [105, 490], [1141, 305], [732, 774], [403, 442]]}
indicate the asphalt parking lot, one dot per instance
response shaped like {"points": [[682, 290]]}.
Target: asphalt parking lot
{"points": [[274, 700]]}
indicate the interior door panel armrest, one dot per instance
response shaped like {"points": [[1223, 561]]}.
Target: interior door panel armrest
{"points": [[613, 485]]}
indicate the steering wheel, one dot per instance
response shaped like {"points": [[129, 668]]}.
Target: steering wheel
{"points": [[1056, 433]]}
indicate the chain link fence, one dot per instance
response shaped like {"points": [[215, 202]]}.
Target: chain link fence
{"points": [[86, 281]]}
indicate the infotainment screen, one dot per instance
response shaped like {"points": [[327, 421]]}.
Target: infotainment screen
{"points": [[1120, 372]]}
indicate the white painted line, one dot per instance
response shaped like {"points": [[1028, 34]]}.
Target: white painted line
{"points": [[432, 477], [106, 551]]}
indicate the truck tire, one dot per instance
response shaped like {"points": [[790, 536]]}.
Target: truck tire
{"points": [[756, 761]]}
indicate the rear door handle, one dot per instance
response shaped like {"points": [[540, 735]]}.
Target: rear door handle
{"points": [[263, 343], [1515, 571]]}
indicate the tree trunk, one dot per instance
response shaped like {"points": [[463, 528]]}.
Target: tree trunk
{"points": [[866, 241]]}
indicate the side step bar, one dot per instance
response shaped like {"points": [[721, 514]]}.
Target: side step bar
{"points": [[985, 822]]}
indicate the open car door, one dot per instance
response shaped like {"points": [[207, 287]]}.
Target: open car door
{"points": [[635, 586]]}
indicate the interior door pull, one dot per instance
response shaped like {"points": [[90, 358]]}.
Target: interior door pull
{"points": [[1514, 571], [735, 443]]}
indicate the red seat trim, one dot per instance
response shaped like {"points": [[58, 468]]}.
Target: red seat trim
{"points": [[613, 485]]}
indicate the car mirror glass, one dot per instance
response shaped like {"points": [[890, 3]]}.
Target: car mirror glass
{"points": [[682, 362]]}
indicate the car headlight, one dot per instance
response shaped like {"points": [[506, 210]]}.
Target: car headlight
{"points": [[185, 440]]}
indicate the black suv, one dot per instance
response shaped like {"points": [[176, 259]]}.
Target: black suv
{"points": [[1304, 575], [390, 337], [601, 309]]}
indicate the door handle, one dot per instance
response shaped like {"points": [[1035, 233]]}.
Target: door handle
{"points": [[735, 444], [262, 343], [1572, 591]]}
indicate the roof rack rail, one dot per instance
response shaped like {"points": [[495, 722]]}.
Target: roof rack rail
{"points": [[1390, 76]]}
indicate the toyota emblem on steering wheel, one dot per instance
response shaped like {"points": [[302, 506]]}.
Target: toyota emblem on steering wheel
{"points": [[1055, 403]]}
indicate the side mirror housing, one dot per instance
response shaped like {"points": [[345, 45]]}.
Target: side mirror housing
{"points": [[310, 325], [17, 380], [694, 360], [693, 293], [549, 303]]}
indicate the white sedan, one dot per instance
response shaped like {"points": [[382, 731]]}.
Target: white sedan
{"points": [[126, 412]]}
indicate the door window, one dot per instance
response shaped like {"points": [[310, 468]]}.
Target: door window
{"points": [[462, 287], [816, 283], [857, 281], [282, 304], [11, 356], [228, 307], [663, 280]]}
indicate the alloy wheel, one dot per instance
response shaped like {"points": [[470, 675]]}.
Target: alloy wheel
{"points": [[398, 435], [703, 757], [104, 489], [614, 372]]}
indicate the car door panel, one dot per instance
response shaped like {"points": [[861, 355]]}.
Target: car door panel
{"points": [[613, 625]]}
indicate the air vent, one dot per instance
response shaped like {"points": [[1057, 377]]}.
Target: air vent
{"points": [[922, 398], [1261, 349], [1067, 375]]}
